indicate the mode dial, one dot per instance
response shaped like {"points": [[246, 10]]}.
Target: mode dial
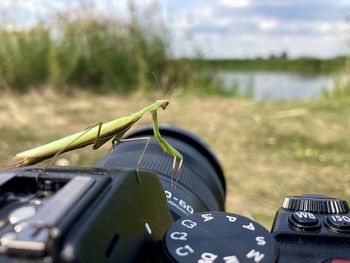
{"points": [[315, 203], [219, 237]]}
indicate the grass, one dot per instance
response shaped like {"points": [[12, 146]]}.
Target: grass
{"points": [[341, 90], [267, 149], [84, 49]]}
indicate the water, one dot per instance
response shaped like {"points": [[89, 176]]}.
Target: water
{"points": [[261, 85]]}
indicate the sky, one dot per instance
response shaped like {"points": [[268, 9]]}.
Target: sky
{"points": [[230, 28]]}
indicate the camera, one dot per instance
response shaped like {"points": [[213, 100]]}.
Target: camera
{"points": [[128, 209]]}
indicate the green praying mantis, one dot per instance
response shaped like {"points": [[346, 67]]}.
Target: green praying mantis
{"points": [[98, 135]]}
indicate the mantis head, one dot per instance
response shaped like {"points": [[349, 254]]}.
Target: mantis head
{"points": [[162, 103]]}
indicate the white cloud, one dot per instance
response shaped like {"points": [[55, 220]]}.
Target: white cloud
{"points": [[234, 3], [267, 24], [30, 6], [184, 22], [324, 27]]}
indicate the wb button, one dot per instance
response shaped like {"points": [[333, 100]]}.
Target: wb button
{"points": [[304, 221]]}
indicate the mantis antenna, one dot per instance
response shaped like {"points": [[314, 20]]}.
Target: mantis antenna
{"points": [[187, 70]]}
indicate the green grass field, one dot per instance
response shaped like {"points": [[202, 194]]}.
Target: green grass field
{"points": [[267, 149]]}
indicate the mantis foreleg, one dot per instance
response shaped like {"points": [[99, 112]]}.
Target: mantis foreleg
{"points": [[165, 145]]}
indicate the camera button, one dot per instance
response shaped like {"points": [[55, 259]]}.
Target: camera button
{"points": [[21, 214], [339, 223], [305, 221]]}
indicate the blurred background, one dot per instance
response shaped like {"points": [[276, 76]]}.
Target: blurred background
{"points": [[264, 83]]}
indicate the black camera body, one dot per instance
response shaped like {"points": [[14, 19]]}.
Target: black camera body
{"points": [[81, 215], [105, 214], [313, 228]]}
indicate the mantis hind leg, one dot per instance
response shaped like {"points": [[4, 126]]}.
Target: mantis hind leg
{"points": [[98, 142], [54, 158], [116, 141]]}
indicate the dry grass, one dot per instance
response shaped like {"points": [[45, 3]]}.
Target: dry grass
{"points": [[268, 150]]}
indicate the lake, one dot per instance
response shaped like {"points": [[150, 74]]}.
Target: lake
{"points": [[262, 85]]}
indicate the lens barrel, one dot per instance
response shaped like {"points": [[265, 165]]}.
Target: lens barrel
{"points": [[200, 185]]}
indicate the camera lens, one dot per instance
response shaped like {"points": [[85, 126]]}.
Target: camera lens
{"points": [[200, 185]]}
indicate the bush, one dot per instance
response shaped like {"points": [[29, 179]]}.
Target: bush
{"points": [[86, 49]]}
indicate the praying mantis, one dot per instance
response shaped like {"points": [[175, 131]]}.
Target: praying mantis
{"points": [[98, 135]]}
